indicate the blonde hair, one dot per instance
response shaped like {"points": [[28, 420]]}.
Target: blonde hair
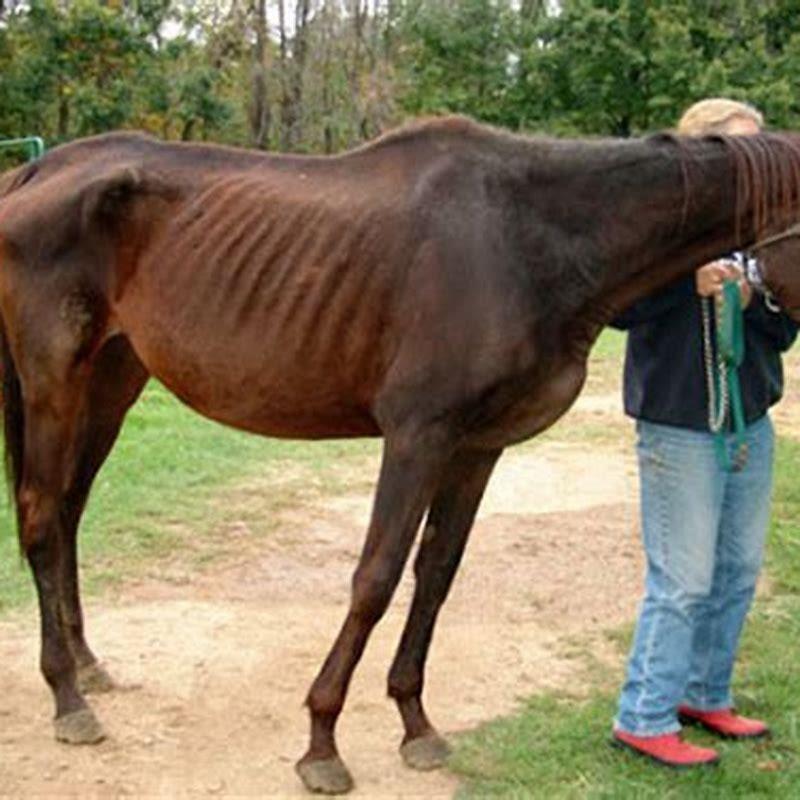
{"points": [[713, 114]]}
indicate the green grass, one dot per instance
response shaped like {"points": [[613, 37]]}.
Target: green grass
{"points": [[605, 363], [158, 495], [609, 347], [557, 747], [784, 547]]}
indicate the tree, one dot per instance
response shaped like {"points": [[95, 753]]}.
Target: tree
{"points": [[457, 55], [327, 74], [260, 115]]}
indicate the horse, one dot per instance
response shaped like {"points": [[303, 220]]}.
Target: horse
{"points": [[440, 287]]}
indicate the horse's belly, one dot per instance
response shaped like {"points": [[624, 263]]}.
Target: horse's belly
{"points": [[258, 387], [269, 405]]}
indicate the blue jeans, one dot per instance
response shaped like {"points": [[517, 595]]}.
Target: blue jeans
{"points": [[703, 532]]}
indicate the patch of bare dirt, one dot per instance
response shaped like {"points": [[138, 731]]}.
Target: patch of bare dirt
{"points": [[216, 665], [786, 415]]}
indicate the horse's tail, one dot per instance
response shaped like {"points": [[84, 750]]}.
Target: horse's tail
{"points": [[13, 422], [13, 408]]}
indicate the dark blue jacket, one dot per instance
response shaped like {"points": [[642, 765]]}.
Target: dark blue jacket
{"points": [[665, 379]]}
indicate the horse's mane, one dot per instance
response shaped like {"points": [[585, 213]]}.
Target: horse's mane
{"points": [[767, 169], [767, 165]]}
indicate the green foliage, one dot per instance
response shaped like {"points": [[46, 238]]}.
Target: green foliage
{"points": [[458, 57], [72, 67], [70, 70], [618, 67]]}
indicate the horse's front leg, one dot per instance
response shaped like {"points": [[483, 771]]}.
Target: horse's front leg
{"points": [[409, 473], [444, 538]]}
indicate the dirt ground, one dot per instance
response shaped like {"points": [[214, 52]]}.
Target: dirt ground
{"points": [[214, 667]]}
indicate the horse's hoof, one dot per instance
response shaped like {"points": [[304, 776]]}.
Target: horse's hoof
{"points": [[426, 752], [94, 679], [79, 727], [326, 776]]}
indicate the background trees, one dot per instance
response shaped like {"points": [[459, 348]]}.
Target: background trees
{"points": [[322, 75]]}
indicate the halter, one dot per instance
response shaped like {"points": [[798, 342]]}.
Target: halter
{"points": [[778, 237], [753, 272]]}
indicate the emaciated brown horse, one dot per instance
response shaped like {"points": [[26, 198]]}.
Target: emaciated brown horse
{"points": [[440, 288]]}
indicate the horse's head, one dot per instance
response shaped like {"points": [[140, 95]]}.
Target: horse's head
{"points": [[778, 269]]}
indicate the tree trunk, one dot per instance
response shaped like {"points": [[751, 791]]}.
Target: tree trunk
{"points": [[329, 33], [359, 10], [293, 89], [188, 130], [63, 114], [531, 10], [260, 117]]}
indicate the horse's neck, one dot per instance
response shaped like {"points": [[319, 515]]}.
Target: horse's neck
{"points": [[670, 249], [687, 209], [644, 217]]}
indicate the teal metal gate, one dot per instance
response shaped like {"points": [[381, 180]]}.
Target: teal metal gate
{"points": [[32, 145]]}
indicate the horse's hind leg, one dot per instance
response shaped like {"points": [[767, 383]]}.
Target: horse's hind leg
{"points": [[410, 469], [116, 380], [51, 420], [443, 540], [56, 446]]}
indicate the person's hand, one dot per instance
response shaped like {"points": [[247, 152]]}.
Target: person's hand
{"points": [[709, 279], [746, 291]]}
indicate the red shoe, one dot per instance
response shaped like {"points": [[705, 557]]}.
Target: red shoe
{"points": [[724, 722], [668, 750]]}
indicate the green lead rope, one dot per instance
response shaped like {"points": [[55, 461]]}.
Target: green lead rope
{"points": [[730, 354]]}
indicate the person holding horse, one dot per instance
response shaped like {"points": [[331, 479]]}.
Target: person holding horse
{"points": [[703, 526]]}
